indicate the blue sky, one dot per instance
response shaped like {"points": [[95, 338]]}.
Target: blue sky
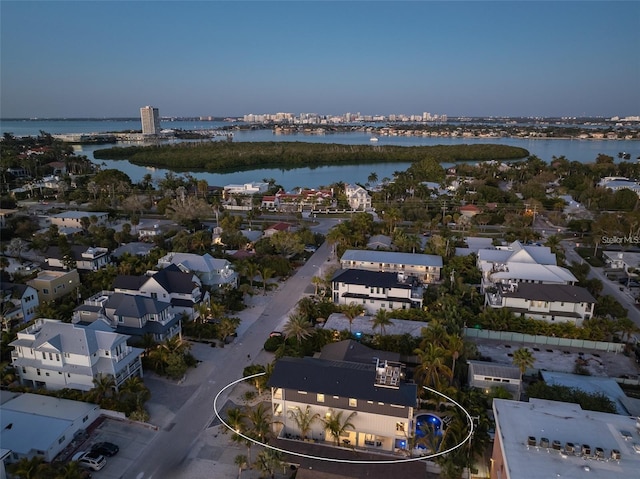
{"points": [[477, 58]]}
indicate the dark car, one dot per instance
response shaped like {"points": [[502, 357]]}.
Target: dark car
{"points": [[105, 448]]}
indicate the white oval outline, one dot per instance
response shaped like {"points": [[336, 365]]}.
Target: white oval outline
{"points": [[347, 461]]}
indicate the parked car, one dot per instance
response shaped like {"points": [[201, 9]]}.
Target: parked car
{"points": [[90, 460], [105, 448]]}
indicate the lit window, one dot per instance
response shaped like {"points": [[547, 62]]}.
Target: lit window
{"points": [[353, 402], [320, 397]]}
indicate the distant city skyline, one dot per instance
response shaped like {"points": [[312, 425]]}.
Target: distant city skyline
{"points": [[228, 59]]}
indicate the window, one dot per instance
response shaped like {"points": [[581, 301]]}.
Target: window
{"points": [[38, 372], [400, 427], [320, 397], [353, 402], [44, 355], [45, 290], [61, 440]]}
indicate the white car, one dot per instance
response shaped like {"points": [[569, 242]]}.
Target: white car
{"points": [[90, 460]]}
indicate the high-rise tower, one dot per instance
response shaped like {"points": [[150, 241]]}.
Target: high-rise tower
{"points": [[150, 120]]}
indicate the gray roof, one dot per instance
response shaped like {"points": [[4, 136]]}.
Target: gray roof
{"points": [[129, 282], [391, 257], [551, 293], [369, 278], [37, 422], [338, 378], [134, 306], [137, 248], [79, 214], [494, 370]]}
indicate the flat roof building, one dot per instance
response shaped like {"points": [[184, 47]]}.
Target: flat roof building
{"points": [[540, 439], [150, 118]]}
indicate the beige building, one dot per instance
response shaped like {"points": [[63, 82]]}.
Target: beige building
{"points": [[52, 284]]}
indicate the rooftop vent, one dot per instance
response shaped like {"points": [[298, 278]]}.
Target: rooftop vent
{"points": [[569, 448], [615, 454], [544, 442], [388, 374], [556, 445], [599, 453], [586, 450], [531, 441]]}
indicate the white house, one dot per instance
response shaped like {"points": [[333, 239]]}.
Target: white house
{"points": [[169, 285], [38, 425], [516, 263], [376, 290], [55, 355], [624, 260], [425, 267], [359, 199], [383, 401], [253, 188], [213, 272], [18, 304], [547, 302]]}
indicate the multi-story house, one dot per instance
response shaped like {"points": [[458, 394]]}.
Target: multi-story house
{"points": [[376, 290], [18, 304], [169, 285], [425, 268], [518, 263], [132, 315], [383, 402], [547, 302], [55, 355], [54, 284], [213, 272], [358, 198], [85, 259]]}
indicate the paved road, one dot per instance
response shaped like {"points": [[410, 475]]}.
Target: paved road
{"points": [[165, 455], [608, 287]]}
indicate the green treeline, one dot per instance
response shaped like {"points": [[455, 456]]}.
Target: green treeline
{"points": [[225, 156]]}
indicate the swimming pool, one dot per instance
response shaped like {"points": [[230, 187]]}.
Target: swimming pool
{"points": [[425, 421]]}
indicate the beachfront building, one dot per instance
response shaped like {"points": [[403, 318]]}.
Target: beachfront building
{"points": [[150, 118]]}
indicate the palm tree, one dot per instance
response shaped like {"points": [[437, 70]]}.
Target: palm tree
{"points": [[455, 347], [265, 274], [251, 271], [134, 390], [269, 461], [352, 311], [335, 425], [381, 320], [627, 327], [260, 421], [298, 327], [432, 367], [304, 419], [240, 461], [373, 177], [317, 282], [227, 327], [235, 418], [104, 386], [71, 470], [523, 358], [28, 468]]}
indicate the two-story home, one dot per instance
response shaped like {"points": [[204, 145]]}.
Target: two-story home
{"points": [[376, 392], [55, 355], [85, 258], [213, 272], [425, 268], [547, 302], [358, 198], [18, 304], [53, 284], [376, 290], [73, 219], [132, 315], [169, 285]]}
